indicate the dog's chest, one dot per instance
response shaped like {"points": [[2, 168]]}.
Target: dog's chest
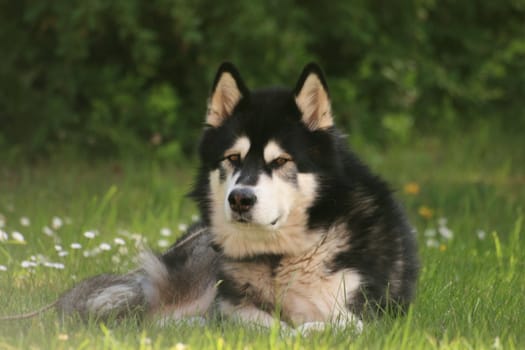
{"points": [[303, 288]]}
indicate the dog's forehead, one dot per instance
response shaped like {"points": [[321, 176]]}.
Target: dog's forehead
{"points": [[267, 117], [268, 113], [241, 146], [271, 150]]}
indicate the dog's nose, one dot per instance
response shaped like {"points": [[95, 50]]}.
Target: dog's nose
{"points": [[241, 200]]}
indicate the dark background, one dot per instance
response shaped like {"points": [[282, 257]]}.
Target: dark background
{"points": [[130, 78]]}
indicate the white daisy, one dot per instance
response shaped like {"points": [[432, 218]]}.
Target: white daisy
{"points": [[54, 265], [429, 232], [481, 234], [59, 266], [56, 223], [47, 231], [432, 243], [89, 234], [166, 232], [123, 251], [445, 232], [17, 236], [27, 264], [163, 243], [24, 221], [119, 241]]}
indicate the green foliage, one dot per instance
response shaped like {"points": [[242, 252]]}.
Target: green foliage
{"points": [[128, 77]]}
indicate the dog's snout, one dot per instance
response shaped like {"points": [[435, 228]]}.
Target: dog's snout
{"points": [[241, 200]]}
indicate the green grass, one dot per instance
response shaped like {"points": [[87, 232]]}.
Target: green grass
{"points": [[470, 293]]}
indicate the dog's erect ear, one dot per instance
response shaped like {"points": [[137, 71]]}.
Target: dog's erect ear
{"points": [[311, 96], [228, 90]]}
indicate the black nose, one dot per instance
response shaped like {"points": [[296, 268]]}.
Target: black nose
{"points": [[241, 200]]}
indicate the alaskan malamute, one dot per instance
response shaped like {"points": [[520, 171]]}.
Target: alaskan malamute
{"points": [[294, 226]]}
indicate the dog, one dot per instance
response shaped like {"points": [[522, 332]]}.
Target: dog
{"points": [[295, 228]]}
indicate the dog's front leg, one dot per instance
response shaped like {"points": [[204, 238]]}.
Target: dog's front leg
{"points": [[249, 313]]}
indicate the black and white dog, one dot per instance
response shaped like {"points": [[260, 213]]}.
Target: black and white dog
{"points": [[294, 226]]}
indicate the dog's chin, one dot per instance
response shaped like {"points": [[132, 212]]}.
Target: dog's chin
{"points": [[245, 221], [241, 220]]}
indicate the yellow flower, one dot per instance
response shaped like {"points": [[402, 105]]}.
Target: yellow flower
{"points": [[426, 212], [180, 346], [412, 188], [442, 247], [63, 337]]}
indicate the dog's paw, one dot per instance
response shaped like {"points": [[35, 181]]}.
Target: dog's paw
{"points": [[195, 321], [309, 328], [348, 322], [356, 325]]}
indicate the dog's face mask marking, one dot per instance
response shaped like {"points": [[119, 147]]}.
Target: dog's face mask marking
{"points": [[259, 203], [259, 186], [259, 192]]}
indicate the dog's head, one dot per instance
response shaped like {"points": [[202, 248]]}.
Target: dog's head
{"points": [[262, 154]]}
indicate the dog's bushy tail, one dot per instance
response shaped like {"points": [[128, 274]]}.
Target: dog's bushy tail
{"points": [[181, 282]]}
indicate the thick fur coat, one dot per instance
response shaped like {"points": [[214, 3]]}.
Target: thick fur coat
{"points": [[295, 228]]}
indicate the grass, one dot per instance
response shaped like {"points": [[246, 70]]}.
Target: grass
{"points": [[464, 195]]}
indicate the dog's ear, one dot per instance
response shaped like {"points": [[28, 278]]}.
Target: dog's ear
{"points": [[311, 96], [228, 90]]}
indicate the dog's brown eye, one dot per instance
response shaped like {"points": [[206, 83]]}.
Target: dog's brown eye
{"points": [[235, 159], [279, 162]]}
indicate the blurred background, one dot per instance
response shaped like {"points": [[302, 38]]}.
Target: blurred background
{"points": [[130, 78], [102, 103]]}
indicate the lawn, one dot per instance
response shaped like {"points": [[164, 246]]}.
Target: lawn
{"points": [[64, 220]]}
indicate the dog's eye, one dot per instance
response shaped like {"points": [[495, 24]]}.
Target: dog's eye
{"points": [[234, 159], [279, 162]]}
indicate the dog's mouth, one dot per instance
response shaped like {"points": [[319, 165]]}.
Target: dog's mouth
{"points": [[274, 222], [241, 218], [246, 219]]}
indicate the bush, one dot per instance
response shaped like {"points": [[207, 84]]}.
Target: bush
{"points": [[129, 77]]}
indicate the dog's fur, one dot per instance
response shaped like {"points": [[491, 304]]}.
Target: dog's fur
{"points": [[293, 227]]}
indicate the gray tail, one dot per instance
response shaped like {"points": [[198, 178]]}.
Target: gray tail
{"points": [[179, 283]]}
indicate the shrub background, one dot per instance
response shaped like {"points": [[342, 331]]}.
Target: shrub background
{"points": [[129, 77]]}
